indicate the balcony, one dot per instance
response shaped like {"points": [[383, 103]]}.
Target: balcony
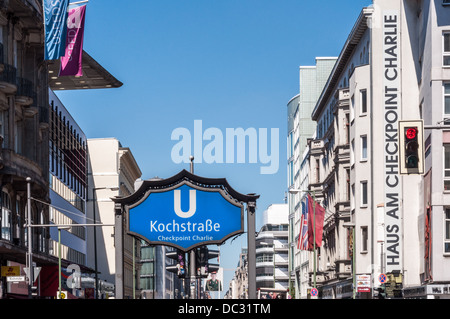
{"points": [[317, 145], [264, 249], [344, 95], [343, 268], [43, 117], [25, 94], [281, 260]]}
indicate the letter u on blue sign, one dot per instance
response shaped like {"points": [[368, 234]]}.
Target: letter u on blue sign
{"points": [[177, 203]]}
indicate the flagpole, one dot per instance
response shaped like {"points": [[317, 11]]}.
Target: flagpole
{"points": [[314, 235]]}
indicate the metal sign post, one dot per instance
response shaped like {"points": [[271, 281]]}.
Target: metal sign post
{"points": [[251, 249], [29, 262]]}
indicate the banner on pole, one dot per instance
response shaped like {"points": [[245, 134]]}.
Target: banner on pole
{"points": [[316, 217], [55, 24], [71, 62]]}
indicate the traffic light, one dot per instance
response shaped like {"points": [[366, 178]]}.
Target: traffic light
{"points": [[179, 268], [411, 147], [203, 255]]}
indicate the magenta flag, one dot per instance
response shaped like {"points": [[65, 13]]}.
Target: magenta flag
{"points": [[71, 62]]}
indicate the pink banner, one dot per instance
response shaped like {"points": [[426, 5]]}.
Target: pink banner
{"points": [[71, 62]]}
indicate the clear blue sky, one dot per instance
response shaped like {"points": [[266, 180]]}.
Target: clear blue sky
{"points": [[228, 63]]}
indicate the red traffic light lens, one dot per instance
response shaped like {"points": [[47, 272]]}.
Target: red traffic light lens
{"points": [[411, 133]]}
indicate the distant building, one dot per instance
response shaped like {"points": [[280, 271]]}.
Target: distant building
{"points": [[238, 288], [272, 249]]}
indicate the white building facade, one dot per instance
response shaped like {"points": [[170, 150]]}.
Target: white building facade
{"points": [[272, 250], [68, 183], [393, 67], [112, 172]]}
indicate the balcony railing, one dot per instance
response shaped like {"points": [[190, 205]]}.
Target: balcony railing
{"points": [[9, 74], [25, 87], [43, 115]]}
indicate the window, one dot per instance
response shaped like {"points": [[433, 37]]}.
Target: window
{"points": [[18, 130], [347, 128], [291, 173], [364, 193], [446, 2], [264, 258], [447, 99], [352, 108], [6, 216], [364, 239], [447, 231], [348, 183], [352, 152], [353, 203], [447, 48], [446, 167], [363, 94], [2, 125], [364, 147], [291, 144], [317, 171]]}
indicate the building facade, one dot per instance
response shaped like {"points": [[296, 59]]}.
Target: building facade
{"points": [[112, 172], [68, 193], [301, 128], [272, 249], [39, 140], [24, 122], [393, 67], [238, 287]]}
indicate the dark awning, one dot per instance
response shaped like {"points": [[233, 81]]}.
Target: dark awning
{"points": [[94, 76]]}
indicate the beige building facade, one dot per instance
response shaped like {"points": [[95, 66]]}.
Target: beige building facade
{"points": [[112, 172]]}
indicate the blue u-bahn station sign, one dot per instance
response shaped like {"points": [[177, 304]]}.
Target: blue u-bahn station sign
{"points": [[185, 211]]}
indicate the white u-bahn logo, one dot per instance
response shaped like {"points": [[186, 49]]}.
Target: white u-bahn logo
{"points": [[192, 203]]}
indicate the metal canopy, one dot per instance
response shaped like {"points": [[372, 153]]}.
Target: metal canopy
{"points": [[178, 178], [94, 76]]}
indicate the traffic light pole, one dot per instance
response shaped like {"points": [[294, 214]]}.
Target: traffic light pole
{"points": [[192, 274], [251, 252], [192, 266], [30, 241]]}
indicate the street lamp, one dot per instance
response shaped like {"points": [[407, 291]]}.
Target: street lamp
{"points": [[29, 237], [295, 191], [59, 256]]}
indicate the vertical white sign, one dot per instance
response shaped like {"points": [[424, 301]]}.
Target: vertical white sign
{"points": [[392, 107]]}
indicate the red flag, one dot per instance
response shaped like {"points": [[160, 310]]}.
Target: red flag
{"points": [[315, 217]]}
